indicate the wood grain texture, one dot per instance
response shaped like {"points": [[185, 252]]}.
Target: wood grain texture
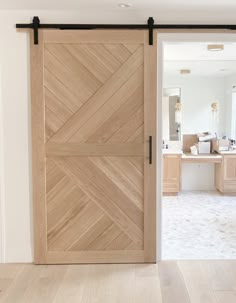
{"points": [[98, 36], [230, 168], [172, 283], [116, 88], [38, 149], [197, 282], [166, 282], [225, 175], [96, 102], [150, 178], [70, 149], [207, 158], [171, 174], [100, 190]]}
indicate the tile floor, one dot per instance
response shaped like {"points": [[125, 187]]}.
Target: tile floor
{"points": [[199, 225]]}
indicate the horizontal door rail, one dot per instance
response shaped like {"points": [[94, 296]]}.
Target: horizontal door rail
{"points": [[36, 25]]}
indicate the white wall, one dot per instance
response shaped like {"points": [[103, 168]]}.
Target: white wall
{"points": [[197, 94], [16, 143]]}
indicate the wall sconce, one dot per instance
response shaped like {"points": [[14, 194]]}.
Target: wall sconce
{"points": [[214, 106], [214, 116], [178, 107]]}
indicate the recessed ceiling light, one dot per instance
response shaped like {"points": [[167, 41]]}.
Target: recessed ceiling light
{"points": [[124, 5], [185, 71], [215, 47]]}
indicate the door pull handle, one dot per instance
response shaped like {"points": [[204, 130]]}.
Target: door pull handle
{"points": [[150, 149]]}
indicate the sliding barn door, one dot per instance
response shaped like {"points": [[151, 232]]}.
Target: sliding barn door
{"points": [[93, 112]]}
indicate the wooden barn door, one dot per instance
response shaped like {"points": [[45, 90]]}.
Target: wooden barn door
{"points": [[93, 110]]}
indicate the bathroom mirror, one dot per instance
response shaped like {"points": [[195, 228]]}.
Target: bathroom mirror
{"points": [[171, 113], [233, 114]]}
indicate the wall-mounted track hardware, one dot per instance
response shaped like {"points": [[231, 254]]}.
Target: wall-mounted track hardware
{"points": [[36, 24], [150, 26]]}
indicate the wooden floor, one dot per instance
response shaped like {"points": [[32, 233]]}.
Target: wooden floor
{"points": [[167, 282]]}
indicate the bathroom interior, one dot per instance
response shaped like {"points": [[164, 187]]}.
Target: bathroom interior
{"points": [[199, 150]]}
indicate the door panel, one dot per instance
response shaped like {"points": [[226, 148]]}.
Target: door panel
{"points": [[95, 195], [93, 110]]}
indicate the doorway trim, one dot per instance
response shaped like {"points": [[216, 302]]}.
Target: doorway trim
{"points": [[2, 192]]}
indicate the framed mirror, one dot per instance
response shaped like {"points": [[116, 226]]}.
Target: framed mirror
{"points": [[171, 113]]}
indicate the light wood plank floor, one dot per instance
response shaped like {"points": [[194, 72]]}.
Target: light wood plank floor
{"points": [[167, 282]]}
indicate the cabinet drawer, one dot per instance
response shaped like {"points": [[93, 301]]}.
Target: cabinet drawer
{"points": [[171, 168], [170, 187], [230, 168]]}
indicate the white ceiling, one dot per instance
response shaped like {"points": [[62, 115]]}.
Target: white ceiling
{"points": [[199, 60], [196, 51], [179, 11]]}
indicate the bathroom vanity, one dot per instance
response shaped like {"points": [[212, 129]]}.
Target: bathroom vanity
{"points": [[225, 170], [180, 133]]}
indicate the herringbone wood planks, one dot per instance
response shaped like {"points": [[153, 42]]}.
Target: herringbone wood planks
{"points": [[77, 220]]}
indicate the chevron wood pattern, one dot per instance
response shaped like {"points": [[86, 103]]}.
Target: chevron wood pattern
{"points": [[94, 219], [95, 203], [94, 155]]}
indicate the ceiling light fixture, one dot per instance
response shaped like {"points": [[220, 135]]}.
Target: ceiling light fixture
{"points": [[124, 5], [185, 71], [215, 47]]}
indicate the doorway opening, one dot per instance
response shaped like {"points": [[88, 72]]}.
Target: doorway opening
{"points": [[198, 107]]}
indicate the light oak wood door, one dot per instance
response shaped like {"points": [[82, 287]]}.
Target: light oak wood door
{"points": [[93, 110]]}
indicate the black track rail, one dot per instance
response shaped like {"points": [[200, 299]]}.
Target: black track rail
{"points": [[150, 26]]}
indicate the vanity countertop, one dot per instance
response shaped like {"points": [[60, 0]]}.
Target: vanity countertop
{"points": [[171, 152], [227, 152], [212, 155], [202, 158], [189, 155]]}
